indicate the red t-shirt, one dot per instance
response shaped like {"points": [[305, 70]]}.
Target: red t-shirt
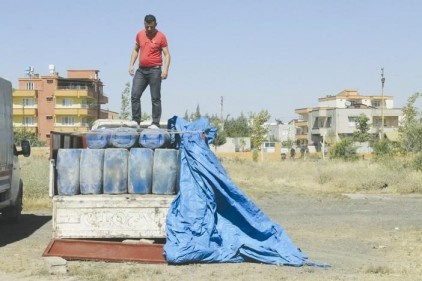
{"points": [[151, 48]]}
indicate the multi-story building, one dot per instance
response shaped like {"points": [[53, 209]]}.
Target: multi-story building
{"points": [[336, 117], [281, 132], [42, 104]]}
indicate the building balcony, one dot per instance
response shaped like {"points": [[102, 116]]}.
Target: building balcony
{"points": [[75, 93], [322, 112], [25, 93], [81, 92], [301, 123], [103, 99], [320, 130], [103, 115], [26, 111], [71, 128], [25, 127], [76, 111], [303, 111], [301, 136]]}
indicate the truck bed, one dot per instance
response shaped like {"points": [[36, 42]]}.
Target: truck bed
{"points": [[110, 216], [103, 216]]}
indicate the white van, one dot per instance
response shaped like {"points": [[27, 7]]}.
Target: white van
{"points": [[11, 186]]}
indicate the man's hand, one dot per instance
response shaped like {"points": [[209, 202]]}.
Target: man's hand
{"points": [[131, 70], [164, 75]]}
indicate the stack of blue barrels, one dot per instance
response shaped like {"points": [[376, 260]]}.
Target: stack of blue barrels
{"points": [[119, 161]]}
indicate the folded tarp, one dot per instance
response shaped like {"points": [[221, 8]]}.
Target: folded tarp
{"points": [[211, 220]]}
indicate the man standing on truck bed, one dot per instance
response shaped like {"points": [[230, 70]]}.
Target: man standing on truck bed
{"points": [[152, 44]]}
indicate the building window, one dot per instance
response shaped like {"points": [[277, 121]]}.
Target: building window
{"points": [[68, 121], [268, 146], [28, 102], [49, 99], [376, 103], [322, 122], [352, 121], [378, 122], [85, 122], [328, 123], [49, 81], [28, 121], [355, 104], [49, 117], [67, 102], [29, 85], [84, 103]]}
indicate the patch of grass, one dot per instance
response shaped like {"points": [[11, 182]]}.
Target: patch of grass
{"points": [[35, 177], [261, 179], [324, 176], [377, 269]]}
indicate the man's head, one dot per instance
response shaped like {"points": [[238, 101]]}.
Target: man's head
{"points": [[150, 23]]}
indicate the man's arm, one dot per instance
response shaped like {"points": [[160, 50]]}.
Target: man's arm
{"points": [[167, 59], [133, 58]]}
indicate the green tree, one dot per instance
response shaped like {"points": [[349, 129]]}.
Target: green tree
{"points": [[21, 134], [220, 138], [410, 112], [125, 110], [257, 129], [145, 116], [186, 116], [288, 143], [362, 128], [197, 114], [410, 128], [237, 127], [383, 149], [214, 120], [344, 149]]}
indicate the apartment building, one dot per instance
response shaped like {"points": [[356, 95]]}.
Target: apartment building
{"points": [[42, 104], [281, 132], [336, 117]]}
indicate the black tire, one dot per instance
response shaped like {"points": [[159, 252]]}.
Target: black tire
{"points": [[13, 213]]}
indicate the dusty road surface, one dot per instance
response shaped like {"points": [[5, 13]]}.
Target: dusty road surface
{"points": [[362, 237]]}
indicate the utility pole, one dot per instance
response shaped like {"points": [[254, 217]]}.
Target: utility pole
{"points": [[222, 116], [382, 103]]}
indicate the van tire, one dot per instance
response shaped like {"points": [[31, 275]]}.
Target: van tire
{"points": [[12, 213]]}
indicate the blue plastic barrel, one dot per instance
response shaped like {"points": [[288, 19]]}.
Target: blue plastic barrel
{"points": [[91, 171], [99, 138], [165, 171], [67, 167], [140, 170], [124, 137], [154, 138], [115, 171]]}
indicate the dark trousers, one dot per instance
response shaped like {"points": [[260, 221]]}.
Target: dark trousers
{"points": [[144, 77]]}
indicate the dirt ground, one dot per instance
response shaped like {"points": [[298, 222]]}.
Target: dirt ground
{"points": [[362, 237]]}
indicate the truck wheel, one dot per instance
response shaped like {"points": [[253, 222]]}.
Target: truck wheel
{"points": [[12, 213]]}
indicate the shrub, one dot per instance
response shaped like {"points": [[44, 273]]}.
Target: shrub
{"points": [[416, 162], [255, 155], [345, 150]]}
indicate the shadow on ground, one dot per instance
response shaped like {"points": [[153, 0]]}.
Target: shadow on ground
{"points": [[27, 224]]}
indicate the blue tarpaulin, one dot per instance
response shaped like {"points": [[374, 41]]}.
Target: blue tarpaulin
{"points": [[212, 220]]}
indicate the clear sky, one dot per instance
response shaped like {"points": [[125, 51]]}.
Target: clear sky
{"points": [[277, 55]]}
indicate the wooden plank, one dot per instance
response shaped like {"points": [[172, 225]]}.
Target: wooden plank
{"points": [[105, 251]]}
